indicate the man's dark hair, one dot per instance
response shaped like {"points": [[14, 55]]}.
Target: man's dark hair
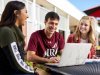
{"points": [[52, 15]]}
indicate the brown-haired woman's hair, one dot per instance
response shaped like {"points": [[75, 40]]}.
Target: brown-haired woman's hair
{"points": [[8, 17], [91, 33]]}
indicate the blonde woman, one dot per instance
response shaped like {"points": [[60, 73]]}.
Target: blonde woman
{"points": [[85, 33]]}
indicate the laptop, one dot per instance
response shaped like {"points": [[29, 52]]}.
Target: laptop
{"points": [[73, 54]]}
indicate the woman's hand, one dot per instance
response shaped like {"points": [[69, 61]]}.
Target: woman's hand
{"points": [[95, 57]]}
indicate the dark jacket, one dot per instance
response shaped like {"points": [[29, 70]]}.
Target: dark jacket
{"points": [[12, 52]]}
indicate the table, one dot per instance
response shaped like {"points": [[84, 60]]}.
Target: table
{"points": [[86, 69]]}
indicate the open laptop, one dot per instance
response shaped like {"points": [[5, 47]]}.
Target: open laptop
{"points": [[73, 54]]}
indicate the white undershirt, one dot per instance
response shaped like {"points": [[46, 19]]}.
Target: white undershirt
{"points": [[84, 41]]}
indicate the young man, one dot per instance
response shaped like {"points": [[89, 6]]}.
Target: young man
{"points": [[45, 44]]}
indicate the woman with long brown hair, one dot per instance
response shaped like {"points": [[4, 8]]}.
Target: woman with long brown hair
{"points": [[12, 40]]}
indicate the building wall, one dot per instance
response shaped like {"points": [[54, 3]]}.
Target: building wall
{"points": [[36, 11]]}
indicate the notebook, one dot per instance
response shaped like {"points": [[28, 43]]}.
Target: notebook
{"points": [[73, 54]]}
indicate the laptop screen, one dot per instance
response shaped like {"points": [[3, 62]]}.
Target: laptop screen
{"points": [[74, 54]]}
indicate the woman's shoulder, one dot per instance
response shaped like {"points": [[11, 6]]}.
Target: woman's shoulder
{"points": [[70, 38], [71, 35], [6, 36], [5, 29]]}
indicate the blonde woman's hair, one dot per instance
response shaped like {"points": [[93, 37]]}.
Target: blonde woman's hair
{"points": [[91, 33]]}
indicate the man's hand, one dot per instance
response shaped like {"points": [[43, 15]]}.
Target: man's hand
{"points": [[54, 60]]}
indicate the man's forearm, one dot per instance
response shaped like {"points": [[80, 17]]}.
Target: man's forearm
{"points": [[37, 59]]}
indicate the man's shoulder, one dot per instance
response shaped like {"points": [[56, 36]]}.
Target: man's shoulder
{"points": [[58, 34], [36, 33]]}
